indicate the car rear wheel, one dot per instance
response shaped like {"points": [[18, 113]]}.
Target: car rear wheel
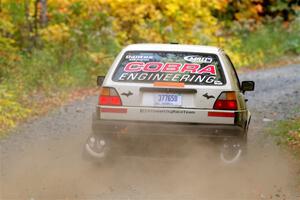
{"points": [[233, 150], [97, 149]]}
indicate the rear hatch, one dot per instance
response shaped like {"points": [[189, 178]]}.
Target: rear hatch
{"points": [[166, 86]]}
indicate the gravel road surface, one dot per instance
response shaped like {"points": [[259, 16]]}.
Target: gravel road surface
{"points": [[42, 159]]}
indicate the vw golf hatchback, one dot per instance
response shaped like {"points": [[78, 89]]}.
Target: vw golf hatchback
{"points": [[183, 89]]}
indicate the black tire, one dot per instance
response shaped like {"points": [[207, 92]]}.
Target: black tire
{"points": [[233, 150], [98, 153]]}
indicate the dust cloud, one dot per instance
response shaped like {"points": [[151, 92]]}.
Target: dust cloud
{"points": [[42, 159], [145, 168]]}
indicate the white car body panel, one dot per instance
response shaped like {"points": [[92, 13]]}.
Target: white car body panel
{"points": [[196, 103], [167, 114]]}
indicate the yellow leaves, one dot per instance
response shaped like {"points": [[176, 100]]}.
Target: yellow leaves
{"points": [[7, 28], [135, 21], [10, 109], [249, 10], [65, 79], [150, 20], [171, 9], [289, 131], [97, 57], [7, 47], [55, 33], [221, 5], [60, 5], [101, 60], [5, 23]]}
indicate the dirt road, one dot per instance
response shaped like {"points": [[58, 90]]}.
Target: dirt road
{"points": [[42, 158]]}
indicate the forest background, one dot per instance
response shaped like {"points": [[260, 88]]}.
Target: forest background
{"points": [[52, 50]]}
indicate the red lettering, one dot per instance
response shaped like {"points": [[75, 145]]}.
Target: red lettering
{"points": [[190, 68], [210, 69], [171, 67], [134, 67], [153, 67]]}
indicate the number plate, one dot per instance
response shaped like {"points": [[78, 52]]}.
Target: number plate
{"points": [[167, 99]]}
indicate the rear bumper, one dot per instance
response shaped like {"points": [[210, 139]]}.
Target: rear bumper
{"points": [[140, 128]]}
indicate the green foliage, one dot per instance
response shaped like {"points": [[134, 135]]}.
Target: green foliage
{"points": [[81, 38], [256, 11], [267, 44], [60, 68], [292, 41], [7, 45]]}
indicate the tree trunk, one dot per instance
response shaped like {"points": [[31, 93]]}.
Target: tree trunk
{"points": [[43, 13], [28, 25], [36, 21]]}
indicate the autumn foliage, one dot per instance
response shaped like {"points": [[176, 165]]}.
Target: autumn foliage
{"points": [[48, 47]]}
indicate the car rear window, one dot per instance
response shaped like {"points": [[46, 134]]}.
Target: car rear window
{"points": [[182, 67]]}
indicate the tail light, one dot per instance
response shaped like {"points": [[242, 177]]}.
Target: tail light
{"points": [[226, 101], [109, 97]]}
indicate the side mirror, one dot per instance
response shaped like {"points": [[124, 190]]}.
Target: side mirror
{"points": [[247, 86], [100, 80]]}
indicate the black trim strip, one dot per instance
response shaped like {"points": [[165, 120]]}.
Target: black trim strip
{"points": [[169, 90]]}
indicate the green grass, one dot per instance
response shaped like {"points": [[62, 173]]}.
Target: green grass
{"points": [[46, 76], [288, 133]]}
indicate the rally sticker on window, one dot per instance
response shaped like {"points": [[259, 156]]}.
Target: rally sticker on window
{"points": [[139, 57], [170, 67], [198, 59]]}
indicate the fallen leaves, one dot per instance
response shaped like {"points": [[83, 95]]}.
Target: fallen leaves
{"points": [[294, 139], [36, 104]]}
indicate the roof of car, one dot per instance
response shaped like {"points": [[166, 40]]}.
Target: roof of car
{"points": [[173, 47]]}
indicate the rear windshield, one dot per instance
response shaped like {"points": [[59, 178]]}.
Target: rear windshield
{"points": [[188, 68]]}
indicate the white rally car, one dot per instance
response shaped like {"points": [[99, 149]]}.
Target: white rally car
{"points": [[182, 89]]}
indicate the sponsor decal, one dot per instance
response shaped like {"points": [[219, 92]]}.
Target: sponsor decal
{"points": [[139, 57], [218, 83], [169, 67], [208, 96], [169, 72], [198, 59], [167, 111], [129, 93], [190, 78], [186, 68]]}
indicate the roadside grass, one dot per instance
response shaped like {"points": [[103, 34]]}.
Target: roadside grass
{"points": [[14, 113], [288, 133], [46, 78]]}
